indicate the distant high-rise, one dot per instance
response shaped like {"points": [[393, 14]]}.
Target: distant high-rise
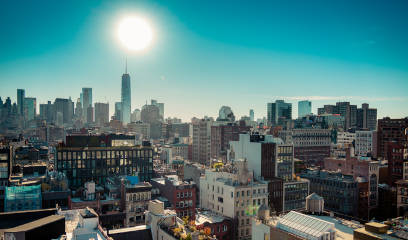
{"points": [[126, 97], [20, 101], [366, 117], [64, 110], [47, 112], [101, 113], [304, 108], [86, 102], [30, 108], [279, 111], [251, 114], [118, 111], [160, 106]]}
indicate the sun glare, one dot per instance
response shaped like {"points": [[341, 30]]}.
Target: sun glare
{"points": [[135, 33]]}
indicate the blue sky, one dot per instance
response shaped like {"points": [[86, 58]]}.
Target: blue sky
{"points": [[207, 54]]}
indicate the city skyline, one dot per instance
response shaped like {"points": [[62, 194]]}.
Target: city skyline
{"points": [[202, 63]]}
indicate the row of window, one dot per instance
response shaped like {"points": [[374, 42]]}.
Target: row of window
{"points": [[183, 204], [184, 194], [103, 154], [138, 196], [248, 192]]}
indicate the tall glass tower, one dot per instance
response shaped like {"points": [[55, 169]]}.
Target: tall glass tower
{"points": [[20, 101], [126, 97], [86, 102]]}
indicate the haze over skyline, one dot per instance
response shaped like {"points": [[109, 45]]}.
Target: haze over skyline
{"points": [[201, 59]]}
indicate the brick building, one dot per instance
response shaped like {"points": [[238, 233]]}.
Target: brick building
{"points": [[181, 194]]}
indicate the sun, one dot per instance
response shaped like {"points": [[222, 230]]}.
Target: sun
{"points": [[135, 33]]}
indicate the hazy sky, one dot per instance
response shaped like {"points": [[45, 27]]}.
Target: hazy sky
{"points": [[207, 54]]}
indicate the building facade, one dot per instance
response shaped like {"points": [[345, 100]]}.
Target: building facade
{"points": [[201, 140], [390, 130], [234, 194], [340, 192], [86, 158], [304, 108], [278, 112]]}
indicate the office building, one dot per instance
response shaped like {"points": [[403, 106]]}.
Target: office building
{"points": [[86, 102], [390, 130], [90, 115], [278, 112], [101, 113], [160, 106], [47, 112], [140, 128], [251, 115], [202, 140], [151, 114], [118, 111], [30, 108], [94, 158], [126, 98], [367, 117], [345, 109], [64, 110], [135, 116], [20, 101], [304, 108]]}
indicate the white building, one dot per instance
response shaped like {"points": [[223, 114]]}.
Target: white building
{"points": [[345, 138], [269, 157], [364, 145], [233, 193], [82, 224]]}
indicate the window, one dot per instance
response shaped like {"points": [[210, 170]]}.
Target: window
{"points": [[232, 194], [225, 228]]}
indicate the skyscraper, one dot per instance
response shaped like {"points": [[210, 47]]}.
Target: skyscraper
{"points": [[160, 106], [279, 111], [101, 113], [251, 115], [30, 108], [20, 101], [366, 117], [118, 111], [86, 102], [304, 108], [126, 97], [64, 109]]}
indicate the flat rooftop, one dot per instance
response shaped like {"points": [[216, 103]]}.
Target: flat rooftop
{"points": [[35, 224]]}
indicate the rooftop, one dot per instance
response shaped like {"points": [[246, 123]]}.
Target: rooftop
{"points": [[35, 224]]}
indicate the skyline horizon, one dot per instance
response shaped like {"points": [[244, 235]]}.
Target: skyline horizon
{"points": [[324, 100]]}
